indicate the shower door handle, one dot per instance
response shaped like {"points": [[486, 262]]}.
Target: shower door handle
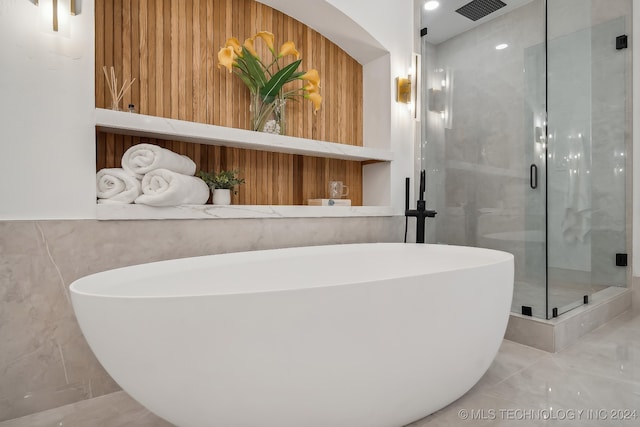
{"points": [[533, 176]]}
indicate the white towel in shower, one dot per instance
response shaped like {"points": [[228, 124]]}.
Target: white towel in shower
{"points": [[116, 186], [144, 158], [163, 187]]}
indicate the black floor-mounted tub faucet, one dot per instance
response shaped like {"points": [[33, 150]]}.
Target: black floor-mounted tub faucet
{"points": [[421, 213]]}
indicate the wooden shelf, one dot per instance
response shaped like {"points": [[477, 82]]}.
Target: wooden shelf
{"points": [[133, 212], [125, 123]]}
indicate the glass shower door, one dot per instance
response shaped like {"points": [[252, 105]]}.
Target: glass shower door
{"points": [[484, 143], [526, 144], [588, 129]]}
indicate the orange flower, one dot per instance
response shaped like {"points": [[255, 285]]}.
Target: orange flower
{"points": [[288, 48], [268, 81], [226, 57], [315, 99], [312, 76], [235, 44], [267, 37], [248, 44], [311, 88]]}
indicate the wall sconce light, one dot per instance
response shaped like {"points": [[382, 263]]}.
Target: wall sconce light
{"points": [[436, 100], [408, 88], [55, 10], [440, 97], [403, 86], [539, 135]]}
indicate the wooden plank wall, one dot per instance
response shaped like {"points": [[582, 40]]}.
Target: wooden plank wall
{"points": [[271, 178], [170, 47]]}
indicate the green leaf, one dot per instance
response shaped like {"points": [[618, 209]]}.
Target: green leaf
{"points": [[241, 65], [254, 68], [247, 81], [222, 180], [274, 85]]}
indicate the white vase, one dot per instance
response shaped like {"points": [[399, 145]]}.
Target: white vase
{"points": [[221, 196]]}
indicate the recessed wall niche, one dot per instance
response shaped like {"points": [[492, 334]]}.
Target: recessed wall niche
{"points": [[171, 47]]}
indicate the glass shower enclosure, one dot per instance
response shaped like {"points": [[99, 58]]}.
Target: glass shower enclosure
{"points": [[526, 143]]}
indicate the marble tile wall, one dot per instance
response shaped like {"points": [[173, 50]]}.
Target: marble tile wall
{"points": [[44, 359]]}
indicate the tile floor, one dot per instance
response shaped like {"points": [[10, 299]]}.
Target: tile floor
{"points": [[594, 382]]}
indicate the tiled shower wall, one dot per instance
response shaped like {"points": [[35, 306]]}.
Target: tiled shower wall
{"points": [[478, 170], [45, 361], [477, 158]]}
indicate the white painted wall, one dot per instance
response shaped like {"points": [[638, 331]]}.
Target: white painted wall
{"points": [[332, 22], [47, 91], [47, 137], [390, 23]]}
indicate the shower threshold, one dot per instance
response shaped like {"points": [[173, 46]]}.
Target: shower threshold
{"points": [[565, 296], [555, 334]]}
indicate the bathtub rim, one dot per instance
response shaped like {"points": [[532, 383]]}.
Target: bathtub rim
{"points": [[149, 270]]}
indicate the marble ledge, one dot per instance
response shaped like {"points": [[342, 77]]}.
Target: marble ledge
{"points": [[142, 212], [125, 123]]}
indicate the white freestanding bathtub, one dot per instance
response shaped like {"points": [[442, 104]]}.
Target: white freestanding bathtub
{"points": [[362, 335]]}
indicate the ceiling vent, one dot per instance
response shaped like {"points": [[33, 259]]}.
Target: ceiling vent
{"points": [[478, 9]]}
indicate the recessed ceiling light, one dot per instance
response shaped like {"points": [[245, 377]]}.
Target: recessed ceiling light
{"points": [[431, 5], [502, 46]]}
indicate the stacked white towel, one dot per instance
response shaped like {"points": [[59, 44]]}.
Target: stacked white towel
{"points": [[162, 187], [143, 158], [167, 179], [116, 186]]}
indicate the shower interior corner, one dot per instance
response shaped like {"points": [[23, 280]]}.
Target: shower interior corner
{"points": [[526, 143]]}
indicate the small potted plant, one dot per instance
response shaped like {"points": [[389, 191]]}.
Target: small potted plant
{"points": [[221, 184]]}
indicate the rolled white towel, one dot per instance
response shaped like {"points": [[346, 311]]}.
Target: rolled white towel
{"points": [[115, 185], [144, 158], [163, 187]]}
